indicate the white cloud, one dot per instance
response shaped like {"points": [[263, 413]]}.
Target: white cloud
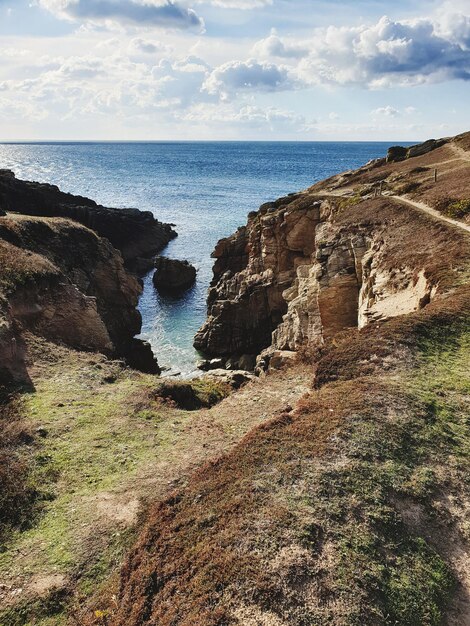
{"points": [[145, 46], [252, 118], [275, 46], [240, 76], [241, 4], [387, 111], [159, 13], [387, 53]]}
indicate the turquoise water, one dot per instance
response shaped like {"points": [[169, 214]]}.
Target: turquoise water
{"points": [[205, 189]]}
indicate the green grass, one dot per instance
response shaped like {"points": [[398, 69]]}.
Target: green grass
{"points": [[396, 453], [98, 437]]}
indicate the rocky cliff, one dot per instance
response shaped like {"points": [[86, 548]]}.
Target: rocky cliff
{"points": [[61, 281], [137, 234], [333, 257]]}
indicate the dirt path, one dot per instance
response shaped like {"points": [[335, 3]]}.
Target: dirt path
{"points": [[460, 152], [432, 212]]}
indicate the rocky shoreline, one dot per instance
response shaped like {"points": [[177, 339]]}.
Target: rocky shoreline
{"points": [[300, 272], [136, 234], [68, 273], [333, 489]]}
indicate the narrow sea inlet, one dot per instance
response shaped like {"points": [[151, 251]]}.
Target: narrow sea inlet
{"points": [[205, 188]]}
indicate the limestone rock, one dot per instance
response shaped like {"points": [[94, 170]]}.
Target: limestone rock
{"points": [[172, 275], [281, 359], [252, 270]]}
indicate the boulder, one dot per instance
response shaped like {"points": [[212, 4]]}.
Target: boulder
{"points": [[281, 359], [172, 275], [396, 153], [216, 364], [234, 378], [212, 364], [139, 355]]}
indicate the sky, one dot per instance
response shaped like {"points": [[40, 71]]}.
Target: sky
{"points": [[234, 69]]}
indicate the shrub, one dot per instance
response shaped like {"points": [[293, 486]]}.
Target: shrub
{"points": [[457, 209]]}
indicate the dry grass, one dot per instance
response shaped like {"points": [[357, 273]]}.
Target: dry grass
{"points": [[300, 522]]}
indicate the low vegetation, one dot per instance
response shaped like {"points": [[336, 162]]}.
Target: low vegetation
{"points": [[457, 209], [193, 395], [339, 512], [19, 493]]}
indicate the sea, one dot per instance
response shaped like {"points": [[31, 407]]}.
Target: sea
{"points": [[205, 188]]}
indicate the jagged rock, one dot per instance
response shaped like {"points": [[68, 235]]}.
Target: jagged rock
{"points": [[172, 275], [135, 233], [139, 355], [252, 270]]}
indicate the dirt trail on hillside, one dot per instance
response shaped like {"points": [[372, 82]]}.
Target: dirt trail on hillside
{"points": [[460, 152], [432, 212]]}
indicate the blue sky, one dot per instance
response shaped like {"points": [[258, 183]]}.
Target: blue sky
{"points": [[234, 69]]}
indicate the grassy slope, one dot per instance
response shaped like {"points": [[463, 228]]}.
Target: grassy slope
{"points": [[351, 510], [109, 445]]}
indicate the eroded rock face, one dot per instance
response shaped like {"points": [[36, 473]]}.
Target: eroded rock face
{"points": [[399, 153], [252, 270], [61, 281], [172, 275], [137, 234], [295, 276]]}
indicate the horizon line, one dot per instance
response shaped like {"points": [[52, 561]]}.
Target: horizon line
{"points": [[156, 141]]}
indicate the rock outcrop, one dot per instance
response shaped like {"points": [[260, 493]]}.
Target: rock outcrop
{"points": [[314, 264], [172, 275], [61, 281], [252, 270], [399, 153], [137, 234]]}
